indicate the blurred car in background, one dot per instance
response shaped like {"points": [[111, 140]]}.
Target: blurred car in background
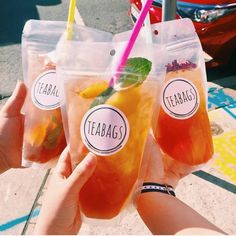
{"points": [[214, 21]]}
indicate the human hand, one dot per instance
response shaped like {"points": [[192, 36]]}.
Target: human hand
{"points": [[60, 213], [12, 129], [161, 168], [162, 213]]}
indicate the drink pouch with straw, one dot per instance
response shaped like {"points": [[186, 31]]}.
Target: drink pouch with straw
{"points": [[44, 137], [183, 129], [111, 120]]}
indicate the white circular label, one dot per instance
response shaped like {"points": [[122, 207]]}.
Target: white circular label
{"points": [[180, 98], [45, 92], [104, 130]]}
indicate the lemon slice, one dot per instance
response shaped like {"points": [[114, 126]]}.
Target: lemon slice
{"points": [[94, 90]]}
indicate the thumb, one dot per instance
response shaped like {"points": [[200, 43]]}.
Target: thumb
{"points": [[83, 171], [15, 102]]}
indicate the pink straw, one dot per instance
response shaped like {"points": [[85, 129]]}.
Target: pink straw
{"points": [[134, 34]]}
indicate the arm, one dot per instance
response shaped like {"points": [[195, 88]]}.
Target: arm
{"points": [[163, 213], [60, 212]]}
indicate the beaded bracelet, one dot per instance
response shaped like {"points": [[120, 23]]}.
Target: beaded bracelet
{"points": [[155, 187]]}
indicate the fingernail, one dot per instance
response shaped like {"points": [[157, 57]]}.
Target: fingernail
{"points": [[18, 84]]}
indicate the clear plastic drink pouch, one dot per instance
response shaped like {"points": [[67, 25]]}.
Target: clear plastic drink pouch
{"points": [[111, 120], [44, 137], [183, 128]]}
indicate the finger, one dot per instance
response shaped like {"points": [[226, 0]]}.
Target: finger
{"points": [[15, 102], [83, 171], [63, 167]]}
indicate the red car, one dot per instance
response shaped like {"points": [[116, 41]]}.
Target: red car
{"points": [[214, 20]]}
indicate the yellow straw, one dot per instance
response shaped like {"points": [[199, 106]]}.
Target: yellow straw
{"points": [[70, 20]]}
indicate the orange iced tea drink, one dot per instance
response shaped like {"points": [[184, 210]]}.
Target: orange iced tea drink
{"points": [[183, 128], [111, 185], [44, 137]]}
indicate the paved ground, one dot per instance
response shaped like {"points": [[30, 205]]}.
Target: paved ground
{"points": [[211, 192]]}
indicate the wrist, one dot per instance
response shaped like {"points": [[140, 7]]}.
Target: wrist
{"points": [[170, 180], [164, 180], [150, 191], [156, 187]]}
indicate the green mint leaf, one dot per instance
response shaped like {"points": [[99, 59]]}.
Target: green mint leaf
{"points": [[52, 137], [135, 71], [101, 99]]}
